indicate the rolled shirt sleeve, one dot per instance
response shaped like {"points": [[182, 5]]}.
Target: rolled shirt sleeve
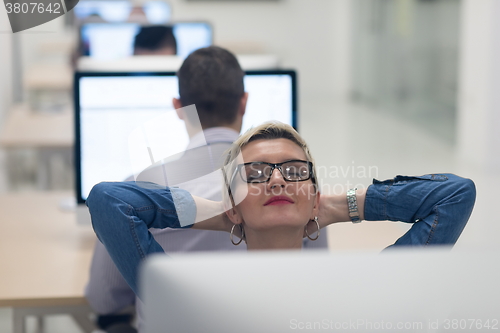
{"points": [[123, 212], [184, 206], [438, 205]]}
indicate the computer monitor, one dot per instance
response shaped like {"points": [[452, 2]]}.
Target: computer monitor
{"points": [[108, 10], [156, 11], [110, 106], [116, 40], [412, 290]]}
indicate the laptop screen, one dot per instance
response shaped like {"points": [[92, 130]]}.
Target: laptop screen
{"points": [[116, 40], [111, 106]]}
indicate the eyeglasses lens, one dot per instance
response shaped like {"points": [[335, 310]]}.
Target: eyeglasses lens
{"points": [[295, 170], [261, 172]]}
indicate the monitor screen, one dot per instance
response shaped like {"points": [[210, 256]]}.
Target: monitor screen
{"points": [[156, 11], [109, 10], [111, 106], [116, 40]]}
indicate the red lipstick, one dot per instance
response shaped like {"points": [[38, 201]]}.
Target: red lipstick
{"points": [[279, 200]]}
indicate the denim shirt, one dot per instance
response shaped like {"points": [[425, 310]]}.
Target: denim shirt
{"points": [[438, 205]]}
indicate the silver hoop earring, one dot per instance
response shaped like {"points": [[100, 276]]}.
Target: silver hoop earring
{"points": [[317, 234], [231, 235]]}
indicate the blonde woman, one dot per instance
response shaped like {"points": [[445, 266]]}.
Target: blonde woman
{"points": [[273, 202]]}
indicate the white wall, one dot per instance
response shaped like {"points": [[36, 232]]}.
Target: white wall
{"points": [[311, 36], [479, 87], [5, 64], [5, 84]]}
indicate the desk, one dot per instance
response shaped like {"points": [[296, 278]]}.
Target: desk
{"points": [[51, 134], [44, 258], [26, 128], [49, 77]]}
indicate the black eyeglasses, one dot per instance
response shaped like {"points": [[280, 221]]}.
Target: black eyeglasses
{"points": [[261, 172]]}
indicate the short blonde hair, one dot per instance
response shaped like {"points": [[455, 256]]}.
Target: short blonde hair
{"points": [[267, 131]]}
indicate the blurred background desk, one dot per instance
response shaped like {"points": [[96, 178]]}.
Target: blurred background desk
{"points": [[50, 136], [49, 77], [27, 128], [44, 258]]}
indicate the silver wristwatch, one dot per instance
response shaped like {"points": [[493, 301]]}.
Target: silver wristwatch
{"points": [[352, 203]]}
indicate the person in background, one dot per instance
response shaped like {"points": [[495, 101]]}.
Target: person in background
{"points": [[212, 79], [155, 40]]}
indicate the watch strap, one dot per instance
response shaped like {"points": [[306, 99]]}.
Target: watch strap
{"points": [[352, 203]]}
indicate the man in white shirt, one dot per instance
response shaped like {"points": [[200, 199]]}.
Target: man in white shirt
{"points": [[211, 79]]}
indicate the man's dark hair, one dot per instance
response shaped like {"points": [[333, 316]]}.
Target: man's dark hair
{"points": [[212, 79], [155, 37]]}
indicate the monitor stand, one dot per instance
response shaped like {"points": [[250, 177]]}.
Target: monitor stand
{"points": [[82, 214]]}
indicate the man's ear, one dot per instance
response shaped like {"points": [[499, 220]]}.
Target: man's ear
{"points": [[243, 104], [178, 106]]}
